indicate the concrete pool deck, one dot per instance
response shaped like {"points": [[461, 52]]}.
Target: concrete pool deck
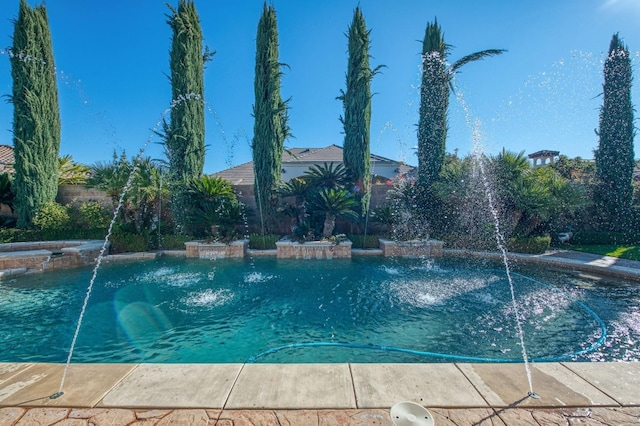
{"points": [[318, 394]]}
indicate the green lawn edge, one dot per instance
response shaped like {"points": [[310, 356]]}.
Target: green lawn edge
{"points": [[631, 252]]}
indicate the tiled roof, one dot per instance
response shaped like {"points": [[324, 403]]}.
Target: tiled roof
{"points": [[6, 159], [243, 174], [238, 175], [321, 155]]}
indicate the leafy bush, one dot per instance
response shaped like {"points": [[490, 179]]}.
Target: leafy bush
{"points": [[174, 242], [14, 235], [263, 242], [52, 217], [364, 242], [531, 245], [70, 234], [7, 221], [92, 214], [126, 242]]}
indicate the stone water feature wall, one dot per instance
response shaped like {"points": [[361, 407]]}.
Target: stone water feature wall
{"points": [[313, 250], [414, 248], [206, 250]]}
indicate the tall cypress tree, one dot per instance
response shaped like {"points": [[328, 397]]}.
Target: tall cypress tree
{"points": [[36, 114], [434, 100], [357, 110], [613, 194], [184, 136], [270, 127]]}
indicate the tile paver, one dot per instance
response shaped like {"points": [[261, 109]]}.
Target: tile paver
{"points": [[174, 385], [506, 385], [10, 369], [619, 380], [293, 386], [85, 384], [434, 385]]}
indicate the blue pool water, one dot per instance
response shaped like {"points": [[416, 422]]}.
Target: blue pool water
{"points": [[287, 311]]}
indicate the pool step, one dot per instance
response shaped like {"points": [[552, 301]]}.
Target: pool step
{"points": [[8, 273]]}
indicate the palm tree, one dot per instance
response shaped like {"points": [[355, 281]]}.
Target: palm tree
{"points": [[384, 216], [333, 203], [211, 188], [299, 189], [112, 177], [326, 176], [148, 190], [215, 209], [532, 199], [70, 172], [437, 77]]}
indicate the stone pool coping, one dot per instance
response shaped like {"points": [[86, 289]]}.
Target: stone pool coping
{"points": [[40, 256], [79, 253], [484, 392]]}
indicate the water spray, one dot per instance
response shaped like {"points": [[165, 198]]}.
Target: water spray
{"points": [[105, 244], [500, 240]]}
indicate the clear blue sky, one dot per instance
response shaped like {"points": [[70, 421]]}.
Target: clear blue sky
{"points": [[112, 59]]}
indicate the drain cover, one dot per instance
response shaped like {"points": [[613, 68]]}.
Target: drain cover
{"points": [[410, 414]]}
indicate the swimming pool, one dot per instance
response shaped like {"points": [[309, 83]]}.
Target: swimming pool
{"points": [[176, 310]]}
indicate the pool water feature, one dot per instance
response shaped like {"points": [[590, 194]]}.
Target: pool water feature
{"points": [[177, 310]]}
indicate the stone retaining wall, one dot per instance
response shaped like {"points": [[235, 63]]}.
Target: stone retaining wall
{"points": [[47, 255]]}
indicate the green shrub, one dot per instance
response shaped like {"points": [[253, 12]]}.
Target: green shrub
{"points": [[92, 214], [530, 245], [52, 217], [364, 242], [263, 242], [125, 242], [70, 234], [7, 221], [17, 235], [174, 242]]}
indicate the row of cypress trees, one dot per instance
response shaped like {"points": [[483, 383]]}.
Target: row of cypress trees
{"points": [[271, 126], [36, 126], [614, 156]]}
